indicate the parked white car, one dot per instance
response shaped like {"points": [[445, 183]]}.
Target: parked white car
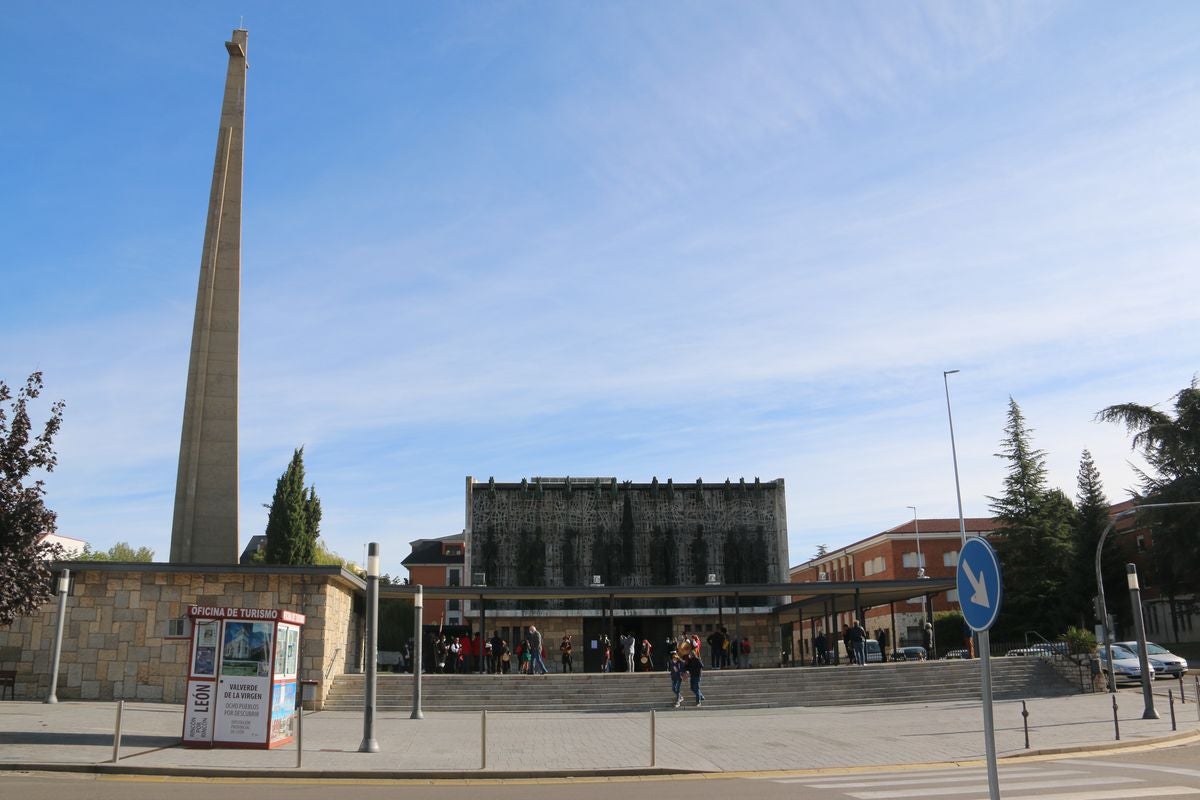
{"points": [[1166, 664]]}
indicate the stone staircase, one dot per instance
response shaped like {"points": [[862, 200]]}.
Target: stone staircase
{"points": [[906, 682]]}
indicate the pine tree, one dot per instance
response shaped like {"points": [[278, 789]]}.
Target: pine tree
{"points": [[1033, 538], [1092, 505], [294, 517]]}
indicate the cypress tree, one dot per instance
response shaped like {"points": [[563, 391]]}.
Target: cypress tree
{"points": [[293, 518], [1092, 505]]}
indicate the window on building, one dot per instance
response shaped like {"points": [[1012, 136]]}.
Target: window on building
{"points": [[178, 628], [868, 569], [950, 559], [952, 595], [1141, 543], [454, 577], [880, 564], [452, 605], [909, 560], [453, 550]]}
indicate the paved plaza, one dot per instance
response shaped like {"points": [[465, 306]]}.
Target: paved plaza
{"points": [[79, 736]]}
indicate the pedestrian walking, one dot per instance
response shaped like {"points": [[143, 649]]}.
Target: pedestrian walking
{"points": [[533, 642], [695, 670], [676, 668]]}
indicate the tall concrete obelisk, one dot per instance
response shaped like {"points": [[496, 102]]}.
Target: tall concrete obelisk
{"points": [[205, 526]]}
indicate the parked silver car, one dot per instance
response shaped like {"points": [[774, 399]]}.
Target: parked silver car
{"points": [[1166, 664], [1125, 666]]}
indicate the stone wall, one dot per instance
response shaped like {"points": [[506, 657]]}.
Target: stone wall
{"points": [[116, 643]]}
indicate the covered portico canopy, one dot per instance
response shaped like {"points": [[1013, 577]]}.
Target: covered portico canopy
{"points": [[848, 596], [836, 597]]}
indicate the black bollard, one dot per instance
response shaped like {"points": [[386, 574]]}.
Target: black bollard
{"points": [[1171, 703], [1025, 716], [1116, 722]]}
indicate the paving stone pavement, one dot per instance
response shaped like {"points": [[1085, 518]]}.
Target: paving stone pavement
{"points": [[79, 736]]}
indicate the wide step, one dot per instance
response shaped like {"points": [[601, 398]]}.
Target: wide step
{"points": [[933, 681]]}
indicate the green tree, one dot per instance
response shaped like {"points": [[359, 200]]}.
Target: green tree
{"points": [[1171, 446], [24, 570], [1092, 505], [121, 551], [1033, 538], [293, 518]]}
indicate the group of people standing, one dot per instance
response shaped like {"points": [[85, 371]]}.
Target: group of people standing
{"points": [[726, 652], [854, 638]]}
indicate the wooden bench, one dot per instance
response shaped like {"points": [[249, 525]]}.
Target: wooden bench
{"points": [[8, 683]]}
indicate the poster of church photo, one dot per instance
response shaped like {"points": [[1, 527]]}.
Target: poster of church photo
{"points": [[247, 649]]}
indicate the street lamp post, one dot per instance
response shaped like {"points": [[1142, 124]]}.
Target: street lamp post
{"points": [[926, 616], [1135, 599], [369, 745], [64, 586], [962, 522], [418, 654]]}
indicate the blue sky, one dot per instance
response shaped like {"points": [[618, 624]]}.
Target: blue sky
{"points": [[622, 239]]}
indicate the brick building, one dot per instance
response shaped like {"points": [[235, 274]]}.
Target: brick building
{"points": [[893, 555], [438, 562]]}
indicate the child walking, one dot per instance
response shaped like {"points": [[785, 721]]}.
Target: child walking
{"points": [[676, 669]]}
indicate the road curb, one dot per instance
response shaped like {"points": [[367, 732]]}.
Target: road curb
{"points": [[357, 775]]}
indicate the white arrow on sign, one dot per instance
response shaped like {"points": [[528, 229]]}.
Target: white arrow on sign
{"points": [[980, 596]]}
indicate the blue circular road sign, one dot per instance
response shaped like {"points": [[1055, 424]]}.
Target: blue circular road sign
{"points": [[979, 588]]}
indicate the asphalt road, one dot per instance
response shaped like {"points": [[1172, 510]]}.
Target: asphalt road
{"points": [[1163, 772]]}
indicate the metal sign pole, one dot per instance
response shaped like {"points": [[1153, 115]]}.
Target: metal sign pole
{"points": [[989, 724], [980, 592]]}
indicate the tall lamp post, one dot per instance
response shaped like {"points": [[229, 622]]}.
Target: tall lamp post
{"points": [[418, 655], [927, 617], [1135, 599], [1112, 521], [64, 586], [962, 522], [369, 745]]}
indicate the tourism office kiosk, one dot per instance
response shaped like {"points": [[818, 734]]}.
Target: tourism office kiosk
{"points": [[241, 688]]}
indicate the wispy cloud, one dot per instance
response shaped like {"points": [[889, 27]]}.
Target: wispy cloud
{"points": [[639, 242]]}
